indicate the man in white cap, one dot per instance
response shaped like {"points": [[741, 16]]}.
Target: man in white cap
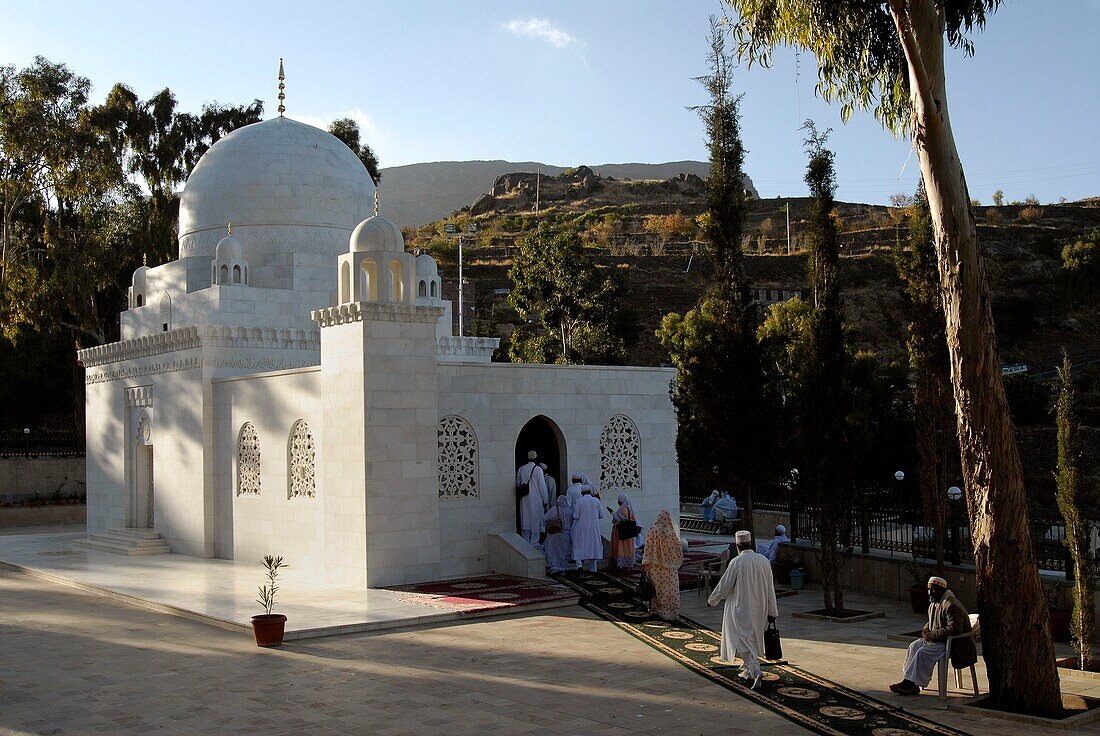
{"points": [[749, 593], [771, 549], [533, 503], [946, 617]]}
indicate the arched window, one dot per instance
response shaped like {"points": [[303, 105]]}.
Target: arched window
{"points": [[248, 461], [165, 311], [368, 282], [345, 283], [422, 288], [302, 471], [435, 292], [619, 445], [458, 451], [236, 274], [140, 300], [223, 277], [397, 282]]}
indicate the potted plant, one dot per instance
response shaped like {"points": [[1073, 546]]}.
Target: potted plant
{"points": [[918, 589], [267, 626], [1059, 614]]}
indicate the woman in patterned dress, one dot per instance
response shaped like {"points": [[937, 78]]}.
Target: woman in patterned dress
{"points": [[661, 562], [622, 550]]}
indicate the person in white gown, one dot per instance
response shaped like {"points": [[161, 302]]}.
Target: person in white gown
{"points": [[587, 539], [533, 505], [771, 549], [551, 486], [573, 492], [749, 593], [559, 544]]}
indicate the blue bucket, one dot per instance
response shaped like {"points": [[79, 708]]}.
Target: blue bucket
{"points": [[798, 577]]}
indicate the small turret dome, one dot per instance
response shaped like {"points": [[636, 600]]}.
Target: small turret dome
{"points": [[229, 249], [377, 234], [426, 265]]}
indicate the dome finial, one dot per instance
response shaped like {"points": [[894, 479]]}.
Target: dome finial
{"points": [[229, 229], [145, 259], [376, 207], [282, 86]]}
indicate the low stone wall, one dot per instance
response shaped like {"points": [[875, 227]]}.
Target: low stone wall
{"points": [[23, 477], [42, 515]]}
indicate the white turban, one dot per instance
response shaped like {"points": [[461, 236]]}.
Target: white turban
{"points": [[780, 529], [743, 537], [937, 581], [532, 455]]}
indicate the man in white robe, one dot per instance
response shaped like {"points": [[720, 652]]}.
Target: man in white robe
{"points": [[587, 539], [749, 593], [573, 492], [946, 617], [771, 549], [531, 506], [551, 486]]}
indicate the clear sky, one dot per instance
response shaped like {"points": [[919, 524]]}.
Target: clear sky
{"points": [[582, 82]]}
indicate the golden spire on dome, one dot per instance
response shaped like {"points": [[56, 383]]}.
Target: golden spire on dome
{"points": [[282, 86], [376, 207], [229, 229]]}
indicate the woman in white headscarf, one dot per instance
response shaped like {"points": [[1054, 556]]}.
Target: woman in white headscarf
{"points": [[622, 550], [661, 562], [559, 540]]}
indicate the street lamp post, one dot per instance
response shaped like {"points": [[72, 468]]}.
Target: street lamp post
{"points": [[954, 493], [26, 442]]}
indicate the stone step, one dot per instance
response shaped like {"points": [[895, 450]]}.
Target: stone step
{"points": [[110, 538], [134, 532], [119, 547]]}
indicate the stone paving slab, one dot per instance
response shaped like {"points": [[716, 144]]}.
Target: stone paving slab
{"points": [[223, 593]]}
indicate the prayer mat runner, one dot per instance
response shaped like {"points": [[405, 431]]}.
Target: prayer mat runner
{"points": [[816, 704], [483, 592], [689, 571]]}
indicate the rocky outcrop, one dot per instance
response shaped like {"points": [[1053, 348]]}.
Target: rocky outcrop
{"points": [[484, 203]]}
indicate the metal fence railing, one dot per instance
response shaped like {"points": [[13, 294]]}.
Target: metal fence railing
{"points": [[19, 443]]}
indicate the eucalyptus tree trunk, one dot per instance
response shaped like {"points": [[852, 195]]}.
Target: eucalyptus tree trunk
{"points": [[1017, 644]]}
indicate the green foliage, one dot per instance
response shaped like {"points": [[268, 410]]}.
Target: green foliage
{"points": [[1069, 496], [347, 130], [572, 303], [267, 592], [1081, 263], [998, 198], [861, 63]]}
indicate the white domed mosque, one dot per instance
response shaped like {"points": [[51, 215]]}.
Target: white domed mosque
{"points": [[292, 385]]}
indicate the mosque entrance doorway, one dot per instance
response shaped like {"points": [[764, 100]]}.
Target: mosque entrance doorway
{"points": [[142, 490], [543, 436]]}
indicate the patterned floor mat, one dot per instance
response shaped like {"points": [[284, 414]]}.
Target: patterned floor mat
{"points": [[482, 592], [816, 704]]}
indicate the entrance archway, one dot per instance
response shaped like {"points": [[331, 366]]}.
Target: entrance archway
{"points": [[142, 491], [543, 436]]}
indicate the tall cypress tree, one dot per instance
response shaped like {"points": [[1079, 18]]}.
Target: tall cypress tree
{"points": [[825, 477], [722, 405]]}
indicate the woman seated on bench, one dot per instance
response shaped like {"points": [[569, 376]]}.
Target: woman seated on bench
{"points": [[707, 506], [725, 508]]}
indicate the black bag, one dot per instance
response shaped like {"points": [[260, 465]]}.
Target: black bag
{"points": [[553, 526], [628, 529], [522, 489], [773, 648], [645, 590]]}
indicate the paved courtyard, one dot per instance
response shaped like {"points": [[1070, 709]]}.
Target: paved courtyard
{"points": [[73, 662]]}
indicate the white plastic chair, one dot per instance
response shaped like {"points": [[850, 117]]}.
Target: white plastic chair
{"points": [[945, 660]]}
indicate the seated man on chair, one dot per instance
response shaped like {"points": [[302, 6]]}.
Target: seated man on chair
{"points": [[725, 508], [946, 617]]}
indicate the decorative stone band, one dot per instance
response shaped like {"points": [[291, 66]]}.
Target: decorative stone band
{"points": [[186, 364], [377, 311], [139, 396], [268, 238], [188, 338], [481, 347]]}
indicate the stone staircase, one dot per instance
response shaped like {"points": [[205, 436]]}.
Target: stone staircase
{"points": [[125, 542]]}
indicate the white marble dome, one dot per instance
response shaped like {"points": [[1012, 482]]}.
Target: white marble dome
{"points": [[377, 234], [287, 187], [229, 249]]}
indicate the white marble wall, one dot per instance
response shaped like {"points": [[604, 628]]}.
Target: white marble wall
{"points": [[498, 399], [251, 526]]}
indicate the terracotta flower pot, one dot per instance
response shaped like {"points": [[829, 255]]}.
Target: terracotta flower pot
{"points": [[268, 629]]}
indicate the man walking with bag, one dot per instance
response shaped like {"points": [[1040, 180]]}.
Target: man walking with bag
{"points": [[749, 593]]}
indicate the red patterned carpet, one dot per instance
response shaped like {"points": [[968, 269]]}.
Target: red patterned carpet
{"points": [[689, 571], [483, 592]]}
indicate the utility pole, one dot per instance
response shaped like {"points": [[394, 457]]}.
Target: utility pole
{"points": [[788, 228], [538, 182]]}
